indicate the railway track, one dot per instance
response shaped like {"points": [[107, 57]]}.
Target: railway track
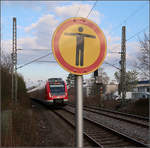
{"points": [[70, 126], [97, 134], [88, 141], [101, 135], [136, 128], [133, 119]]}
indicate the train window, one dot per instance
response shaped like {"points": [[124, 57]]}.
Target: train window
{"points": [[57, 89]]}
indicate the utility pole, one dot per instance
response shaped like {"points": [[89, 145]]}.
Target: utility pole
{"points": [[123, 65], [149, 58], [14, 61]]}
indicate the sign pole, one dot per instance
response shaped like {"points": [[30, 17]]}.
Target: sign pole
{"points": [[79, 111]]}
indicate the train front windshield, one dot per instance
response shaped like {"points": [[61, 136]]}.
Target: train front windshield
{"points": [[57, 89]]}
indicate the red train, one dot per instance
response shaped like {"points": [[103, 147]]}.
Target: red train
{"points": [[56, 91]]}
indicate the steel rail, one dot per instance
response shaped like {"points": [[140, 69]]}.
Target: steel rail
{"points": [[129, 139], [95, 143], [121, 113], [146, 125], [112, 131], [90, 139], [116, 112]]}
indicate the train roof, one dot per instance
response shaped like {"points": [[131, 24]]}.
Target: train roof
{"points": [[55, 80]]}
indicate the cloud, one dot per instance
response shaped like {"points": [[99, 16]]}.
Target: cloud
{"points": [[44, 27], [6, 46], [114, 46], [43, 23], [23, 43], [29, 43], [78, 10], [40, 39], [30, 49], [43, 30], [132, 51]]}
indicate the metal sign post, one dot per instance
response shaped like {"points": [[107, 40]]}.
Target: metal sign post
{"points": [[79, 111]]}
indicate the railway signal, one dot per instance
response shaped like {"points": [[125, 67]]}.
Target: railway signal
{"points": [[96, 73], [79, 46]]}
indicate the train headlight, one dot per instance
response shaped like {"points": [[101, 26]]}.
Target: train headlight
{"points": [[50, 95]]}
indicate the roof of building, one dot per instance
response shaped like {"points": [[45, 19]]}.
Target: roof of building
{"points": [[144, 82]]}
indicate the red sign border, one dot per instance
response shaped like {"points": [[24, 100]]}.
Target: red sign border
{"points": [[60, 59]]}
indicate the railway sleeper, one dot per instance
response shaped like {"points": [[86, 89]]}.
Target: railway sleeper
{"points": [[108, 139], [105, 135], [119, 145]]}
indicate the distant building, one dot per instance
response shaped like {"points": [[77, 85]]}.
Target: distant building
{"points": [[141, 90], [142, 86]]}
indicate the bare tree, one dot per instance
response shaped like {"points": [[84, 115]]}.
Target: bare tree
{"points": [[103, 75], [6, 61], [143, 62], [131, 80]]}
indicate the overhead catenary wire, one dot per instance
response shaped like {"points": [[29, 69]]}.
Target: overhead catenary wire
{"points": [[48, 61], [77, 12], [34, 60], [130, 38], [127, 18], [133, 13], [92, 9], [32, 49], [137, 33], [126, 41], [111, 65]]}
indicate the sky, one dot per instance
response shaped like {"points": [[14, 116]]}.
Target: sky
{"points": [[37, 20]]}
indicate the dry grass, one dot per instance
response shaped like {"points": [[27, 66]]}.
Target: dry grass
{"points": [[17, 120], [23, 125], [137, 107]]}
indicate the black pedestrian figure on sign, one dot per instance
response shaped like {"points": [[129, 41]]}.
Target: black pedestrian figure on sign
{"points": [[80, 44]]}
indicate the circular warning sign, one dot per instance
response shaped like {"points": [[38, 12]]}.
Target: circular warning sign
{"points": [[79, 45]]}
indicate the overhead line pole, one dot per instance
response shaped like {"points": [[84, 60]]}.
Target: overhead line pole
{"points": [[123, 64], [14, 61]]}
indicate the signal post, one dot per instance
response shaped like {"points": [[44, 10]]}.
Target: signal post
{"points": [[79, 46]]}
